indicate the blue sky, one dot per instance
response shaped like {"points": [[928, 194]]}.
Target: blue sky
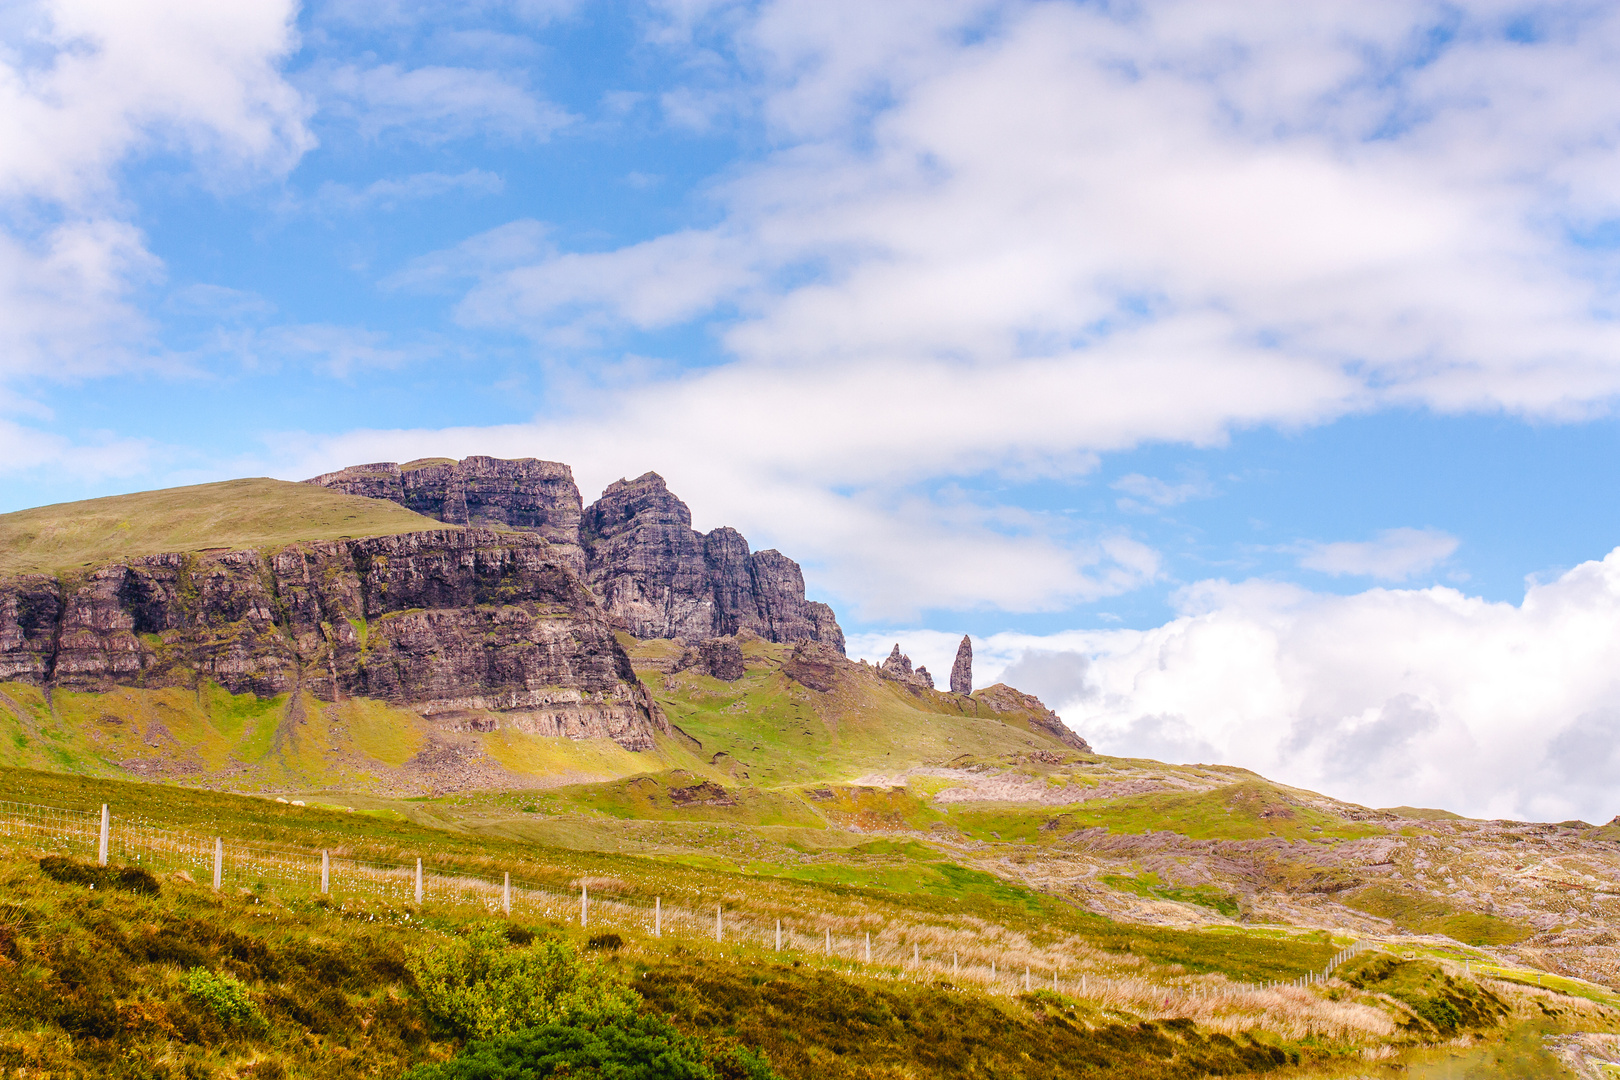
{"points": [[1122, 336]]}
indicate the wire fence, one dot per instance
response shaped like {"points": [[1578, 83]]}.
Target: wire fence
{"points": [[895, 949]]}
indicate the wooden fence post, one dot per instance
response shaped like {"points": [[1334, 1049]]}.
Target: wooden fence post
{"points": [[418, 882], [506, 894], [326, 872], [658, 916], [219, 861], [584, 907], [717, 922], [101, 848], [778, 935]]}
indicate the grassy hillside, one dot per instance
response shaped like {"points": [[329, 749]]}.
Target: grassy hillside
{"points": [[95, 982], [234, 514]]}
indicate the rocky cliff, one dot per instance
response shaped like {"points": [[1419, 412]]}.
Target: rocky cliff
{"points": [[634, 547], [449, 621], [664, 579], [523, 493]]}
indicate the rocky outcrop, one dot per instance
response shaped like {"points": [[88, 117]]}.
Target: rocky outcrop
{"points": [[898, 668], [1002, 698], [634, 547], [962, 670], [447, 622], [521, 493], [719, 657], [663, 579]]}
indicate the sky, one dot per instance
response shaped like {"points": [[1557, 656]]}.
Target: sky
{"points": [[1240, 375]]}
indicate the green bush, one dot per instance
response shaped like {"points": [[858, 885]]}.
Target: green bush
{"points": [[629, 1048], [481, 986], [625, 1048], [223, 994]]}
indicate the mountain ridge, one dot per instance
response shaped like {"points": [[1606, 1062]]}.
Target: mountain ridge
{"points": [[635, 547]]}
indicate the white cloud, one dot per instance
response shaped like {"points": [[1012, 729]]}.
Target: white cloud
{"points": [[435, 104], [1005, 238], [1387, 697], [1067, 175], [85, 85], [1394, 555]]}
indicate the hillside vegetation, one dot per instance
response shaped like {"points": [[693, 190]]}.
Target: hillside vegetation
{"points": [[231, 515], [151, 975]]}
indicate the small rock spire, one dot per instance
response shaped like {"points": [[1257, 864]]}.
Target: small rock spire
{"points": [[962, 670]]}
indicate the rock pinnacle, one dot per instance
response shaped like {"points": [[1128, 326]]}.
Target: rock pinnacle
{"points": [[962, 670]]}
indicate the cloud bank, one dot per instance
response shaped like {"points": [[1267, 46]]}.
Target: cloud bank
{"points": [[1000, 239], [1388, 697]]}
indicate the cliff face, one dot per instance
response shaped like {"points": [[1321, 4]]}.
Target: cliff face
{"points": [[453, 621], [634, 547], [523, 493], [662, 578]]}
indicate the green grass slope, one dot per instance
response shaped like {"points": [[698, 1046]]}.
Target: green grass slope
{"points": [[234, 514]]}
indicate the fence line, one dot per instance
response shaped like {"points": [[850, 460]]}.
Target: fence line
{"points": [[905, 951]]}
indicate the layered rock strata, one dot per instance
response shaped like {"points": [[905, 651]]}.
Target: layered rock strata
{"points": [[663, 579], [446, 622], [898, 668], [521, 493], [635, 546], [962, 670]]}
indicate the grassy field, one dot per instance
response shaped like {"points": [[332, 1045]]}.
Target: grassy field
{"points": [[95, 983], [232, 515]]}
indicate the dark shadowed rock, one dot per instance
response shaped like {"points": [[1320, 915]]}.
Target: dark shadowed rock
{"points": [[962, 670]]}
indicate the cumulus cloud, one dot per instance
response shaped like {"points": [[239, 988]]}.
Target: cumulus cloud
{"points": [[1041, 178], [84, 85], [1393, 555], [1005, 238], [1386, 697]]}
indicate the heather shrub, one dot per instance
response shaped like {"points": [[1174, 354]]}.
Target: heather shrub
{"points": [[481, 986], [226, 997], [624, 1048]]}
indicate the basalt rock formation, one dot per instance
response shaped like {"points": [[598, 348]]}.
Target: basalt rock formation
{"points": [[634, 547], [523, 493], [446, 622], [962, 670], [719, 657], [663, 579], [898, 668]]}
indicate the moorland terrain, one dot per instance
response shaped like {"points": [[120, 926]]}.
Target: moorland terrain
{"points": [[463, 663]]}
